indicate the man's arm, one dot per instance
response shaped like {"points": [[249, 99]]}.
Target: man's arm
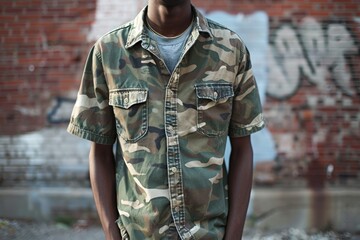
{"points": [[102, 178], [240, 183]]}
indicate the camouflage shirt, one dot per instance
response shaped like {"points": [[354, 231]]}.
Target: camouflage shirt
{"points": [[170, 129]]}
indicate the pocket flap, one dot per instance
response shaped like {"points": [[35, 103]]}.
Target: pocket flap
{"points": [[125, 98], [215, 91]]}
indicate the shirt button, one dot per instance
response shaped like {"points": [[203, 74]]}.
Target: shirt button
{"points": [[177, 209], [215, 94], [174, 169], [126, 100]]}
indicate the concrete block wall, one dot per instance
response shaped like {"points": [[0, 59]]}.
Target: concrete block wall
{"points": [[312, 86]]}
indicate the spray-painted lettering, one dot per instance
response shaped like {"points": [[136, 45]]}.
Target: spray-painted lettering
{"points": [[312, 50]]}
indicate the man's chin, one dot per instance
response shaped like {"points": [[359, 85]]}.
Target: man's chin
{"points": [[173, 3]]}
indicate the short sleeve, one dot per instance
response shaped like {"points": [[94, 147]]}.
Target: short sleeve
{"points": [[92, 118], [247, 116]]}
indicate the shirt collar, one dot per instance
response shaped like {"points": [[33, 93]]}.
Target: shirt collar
{"points": [[138, 32]]}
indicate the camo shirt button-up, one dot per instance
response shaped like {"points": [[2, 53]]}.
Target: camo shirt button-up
{"points": [[170, 129]]}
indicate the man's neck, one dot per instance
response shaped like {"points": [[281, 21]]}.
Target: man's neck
{"points": [[169, 21]]}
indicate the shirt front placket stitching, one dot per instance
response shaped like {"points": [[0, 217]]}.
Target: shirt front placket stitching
{"points": [[176, 188], [175, 180]]}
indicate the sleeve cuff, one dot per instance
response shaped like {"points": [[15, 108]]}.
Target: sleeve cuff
{"points": [[88, 135], [246, 130]]}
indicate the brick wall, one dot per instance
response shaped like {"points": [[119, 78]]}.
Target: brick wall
{"points": [[312, 96], [43, 45], [313, 104]]}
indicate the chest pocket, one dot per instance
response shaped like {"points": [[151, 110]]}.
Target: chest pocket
{"points": [[214, 107], [131, 112]]}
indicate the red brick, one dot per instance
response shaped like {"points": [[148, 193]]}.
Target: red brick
{"points": [[51, 37]]}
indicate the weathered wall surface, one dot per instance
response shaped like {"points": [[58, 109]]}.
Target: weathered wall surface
{"points": [[305, 57], [43, 46], [312, 87]]}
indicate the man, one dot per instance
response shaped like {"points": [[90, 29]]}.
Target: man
{"points": [[168, 88]]}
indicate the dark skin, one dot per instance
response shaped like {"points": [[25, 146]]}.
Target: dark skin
{"points": [[171, 18], [102, 178], [240, 184]]}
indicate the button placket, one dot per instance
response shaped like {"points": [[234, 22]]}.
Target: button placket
{"points": [[173, 153]]}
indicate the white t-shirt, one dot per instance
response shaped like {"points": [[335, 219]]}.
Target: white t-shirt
{"points": [[171, 48]]}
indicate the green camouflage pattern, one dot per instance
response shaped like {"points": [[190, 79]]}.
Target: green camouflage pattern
{"points": [[170, 129]]}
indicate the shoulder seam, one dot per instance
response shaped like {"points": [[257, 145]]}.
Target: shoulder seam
{"points": [[243, 49], [125, 25]]}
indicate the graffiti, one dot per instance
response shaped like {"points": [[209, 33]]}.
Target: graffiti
{"points": [[313, 51], [61, 110]]}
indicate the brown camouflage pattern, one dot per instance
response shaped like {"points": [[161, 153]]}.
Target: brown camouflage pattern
{"points": [[170, 129]]}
